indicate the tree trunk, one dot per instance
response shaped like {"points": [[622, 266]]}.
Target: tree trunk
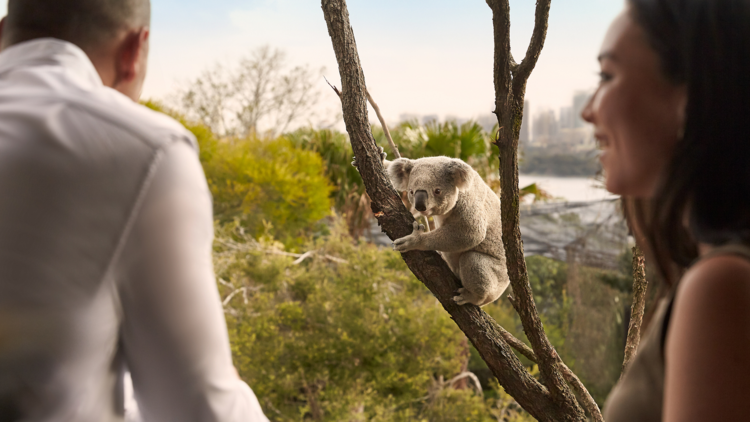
{"points": [[551, 401]]}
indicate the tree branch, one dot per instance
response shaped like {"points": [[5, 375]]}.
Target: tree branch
{"points": [[637, 308], [510, 87], [394, 148], [541, 17], [429, 267]]}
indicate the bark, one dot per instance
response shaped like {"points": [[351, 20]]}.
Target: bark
{"points": [[544, 403], [637, 308]]}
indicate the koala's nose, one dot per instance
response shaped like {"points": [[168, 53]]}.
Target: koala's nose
{"points": [[420, 200]]}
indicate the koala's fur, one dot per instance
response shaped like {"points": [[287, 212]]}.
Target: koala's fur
{"points": [[467, 223]]}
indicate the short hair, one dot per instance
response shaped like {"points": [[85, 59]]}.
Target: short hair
{"points": [[82, 22]]}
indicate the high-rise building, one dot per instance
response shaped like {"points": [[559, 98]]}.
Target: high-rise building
{"points": [[545, 128], [566, 118]]}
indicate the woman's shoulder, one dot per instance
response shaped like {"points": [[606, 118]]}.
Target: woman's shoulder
{"points": [[716, 288], [707, 342], [720, 272]]}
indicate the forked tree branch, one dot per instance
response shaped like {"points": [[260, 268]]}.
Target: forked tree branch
{"points": [[541, 17], [484, 333], [637, 308], [510, 86]]}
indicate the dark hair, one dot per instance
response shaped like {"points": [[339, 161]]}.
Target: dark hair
{"points": [[82, 22], [705, 46]]}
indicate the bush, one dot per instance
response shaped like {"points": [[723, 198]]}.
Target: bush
{"points": [[325, 337], [272, 187]]}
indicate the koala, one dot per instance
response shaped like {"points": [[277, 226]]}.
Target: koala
{"points": [[467, 223]]}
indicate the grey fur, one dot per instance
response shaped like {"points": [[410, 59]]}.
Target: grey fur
{"points": [[467, 221]]}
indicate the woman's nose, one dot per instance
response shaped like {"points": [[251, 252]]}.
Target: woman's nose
{"points": [[587, 114]]}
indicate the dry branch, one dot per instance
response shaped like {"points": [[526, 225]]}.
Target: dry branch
{"points": [[429, 267], [375, 107], [384, 125], [637, 308]]}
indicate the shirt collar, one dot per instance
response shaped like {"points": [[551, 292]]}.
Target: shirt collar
{"points": [[50, 52]]}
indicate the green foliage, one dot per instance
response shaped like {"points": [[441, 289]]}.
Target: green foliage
{"points": [[336, 152], [347, 334], [338, 334], [622, 279], [272, 187], [467, 141]]}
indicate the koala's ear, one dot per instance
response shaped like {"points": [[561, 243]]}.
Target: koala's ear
{"points": [[399, 171], [459, 173]]}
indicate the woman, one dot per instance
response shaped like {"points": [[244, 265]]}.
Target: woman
{"points": [[670, 115]]}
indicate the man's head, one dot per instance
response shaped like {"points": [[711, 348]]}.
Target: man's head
{"points": [[113, 33]]}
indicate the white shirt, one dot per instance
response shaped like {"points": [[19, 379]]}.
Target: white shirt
{"points": [[105, 254]]}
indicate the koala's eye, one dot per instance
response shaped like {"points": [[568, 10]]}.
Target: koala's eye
{"points": [[437, 191], [411, 192]]}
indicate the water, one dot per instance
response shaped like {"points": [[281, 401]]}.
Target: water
{"points": [[568, 188]]}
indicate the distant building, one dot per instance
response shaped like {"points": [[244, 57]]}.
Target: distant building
{"points": [[566, 118], [545, 128], [487, 121]]}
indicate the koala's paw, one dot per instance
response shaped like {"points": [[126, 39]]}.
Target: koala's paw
{"points": [[382, 153], [412, 241], [463, 297]]}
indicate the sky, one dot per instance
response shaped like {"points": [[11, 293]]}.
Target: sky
{"points": [[420, 57]]}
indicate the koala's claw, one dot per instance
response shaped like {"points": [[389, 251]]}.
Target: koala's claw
{"points": [[459, 297], [410, 242], [382, 153]]}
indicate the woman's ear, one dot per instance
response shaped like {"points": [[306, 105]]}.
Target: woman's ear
{"points": [[399, 171]]}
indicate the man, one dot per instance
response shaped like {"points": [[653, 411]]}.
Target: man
{"points": [[105, 230]]}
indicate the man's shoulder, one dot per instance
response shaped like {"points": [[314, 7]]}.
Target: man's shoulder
{"points": [[154, 128]]}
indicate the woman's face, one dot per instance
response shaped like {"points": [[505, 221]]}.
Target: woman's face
{"points": [[636, 112]]}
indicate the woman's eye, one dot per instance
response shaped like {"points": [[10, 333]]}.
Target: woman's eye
{"points": [[604, 77], [437, 191]]}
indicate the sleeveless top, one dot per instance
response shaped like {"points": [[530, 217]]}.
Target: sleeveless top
{"points": [[639, 394]]}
